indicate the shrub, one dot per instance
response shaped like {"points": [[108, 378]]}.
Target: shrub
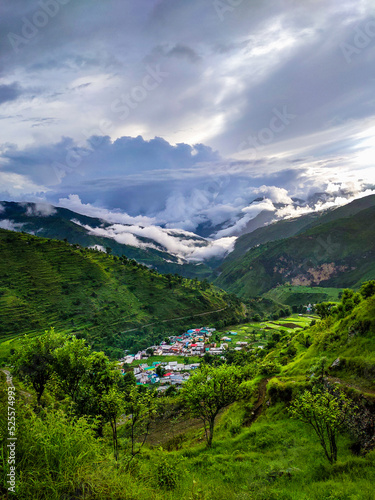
{"points": [[167, 474], [268, 367], [279, 392]]}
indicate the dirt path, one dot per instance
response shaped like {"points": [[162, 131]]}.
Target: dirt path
{"points": [[258, 407], [10, 382], [357, 387], [175, 319]]}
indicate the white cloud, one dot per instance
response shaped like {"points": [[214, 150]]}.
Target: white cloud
{"points": [[274, 193], [183, 244], [100, 248], [10, 225], [40, 210], [15, 186], [74, 203]]}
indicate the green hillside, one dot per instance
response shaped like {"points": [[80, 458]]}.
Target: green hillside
{"points": [[47, 283], [302, 295], [59, 225], [336, 254], [290, 227], [259, 451]]}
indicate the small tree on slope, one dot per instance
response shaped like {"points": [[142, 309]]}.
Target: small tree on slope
{"points": [[326, 413], [210, 390]]}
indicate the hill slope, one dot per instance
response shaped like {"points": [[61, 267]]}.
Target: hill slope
{"points": [[63, 224], [291, 227], [340, 253], [47, 283]]}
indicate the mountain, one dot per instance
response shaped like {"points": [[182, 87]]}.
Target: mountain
{"points": [[290, 227], [107, 299], [63, 224], [332, 252]]}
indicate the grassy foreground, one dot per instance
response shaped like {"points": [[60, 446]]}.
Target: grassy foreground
{"points": [[258, 452]]}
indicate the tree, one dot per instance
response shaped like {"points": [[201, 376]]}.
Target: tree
{"points": [[34, 361], [112, 406], [99, 379], [142, 409], [326, 413], [324, 309], [160, 371], [368, 289], [71, 363], [210, 390]]}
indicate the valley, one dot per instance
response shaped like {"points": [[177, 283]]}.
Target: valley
{"points": [[124, 351]]}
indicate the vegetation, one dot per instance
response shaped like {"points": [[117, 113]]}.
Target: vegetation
{"points": [[65, 225], [337, 254], [326, 414], [209, 391], [87, 431], [103, 298]]}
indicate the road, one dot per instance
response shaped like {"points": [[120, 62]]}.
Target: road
{"points": [[175, 319]]}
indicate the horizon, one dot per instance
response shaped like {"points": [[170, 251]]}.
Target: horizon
{"points": [[181, 115]]}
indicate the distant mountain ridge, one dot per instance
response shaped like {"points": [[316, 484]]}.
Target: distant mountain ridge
{"points": [[334, 249], [46, 283], [290, 227], [61, 223]]}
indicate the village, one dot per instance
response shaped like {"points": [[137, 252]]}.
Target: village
{"points": [[194, 343]]}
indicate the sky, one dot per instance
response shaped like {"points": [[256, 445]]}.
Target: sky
{"points": [[178, 113]]}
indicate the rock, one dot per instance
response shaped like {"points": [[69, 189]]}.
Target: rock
{"points": [[336, 363]]}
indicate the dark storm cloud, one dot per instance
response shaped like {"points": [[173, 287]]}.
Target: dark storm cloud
{"points": [[274, 93]]}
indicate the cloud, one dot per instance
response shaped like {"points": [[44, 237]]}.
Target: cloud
{"points": [[183, 244], [40, 210], [180, 50], [11, 225], [15, 186], [9, 92], [99, 248], [275, 194], [167, 113], [74, 203]]}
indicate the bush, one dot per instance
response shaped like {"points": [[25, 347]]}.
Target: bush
{"points": [[167, 474], [278, 391], [52, 452], [268, 367]]}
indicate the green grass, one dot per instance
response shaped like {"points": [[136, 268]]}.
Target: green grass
{"points": [[166, 359], [303, 295], [258, 333], [276, 458], [46, 283]]}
